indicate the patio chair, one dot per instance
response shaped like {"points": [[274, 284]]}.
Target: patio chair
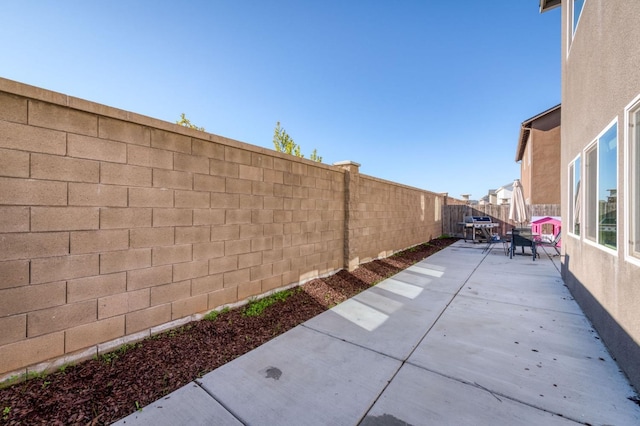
{"points": [[555, 243], [523, 240]]}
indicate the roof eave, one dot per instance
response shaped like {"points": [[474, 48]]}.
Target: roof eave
{"points": [[546, 5]]}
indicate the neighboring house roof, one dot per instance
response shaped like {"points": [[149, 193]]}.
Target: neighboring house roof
{"points": [[525, 129], [546, 5]]}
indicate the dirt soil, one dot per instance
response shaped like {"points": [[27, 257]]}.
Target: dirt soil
{"points": [[106, 389]]}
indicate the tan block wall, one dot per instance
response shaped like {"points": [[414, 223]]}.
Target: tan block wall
{"points": [[113, 224]]}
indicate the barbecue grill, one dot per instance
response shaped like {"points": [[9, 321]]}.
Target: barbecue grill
{"points": [[479, 227]]}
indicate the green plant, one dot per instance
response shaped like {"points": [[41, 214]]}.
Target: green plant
{"points": [[213, 315], [109, 357], [45, 384], [138, 407], [257, 306], [63, 367], [5, 413]]}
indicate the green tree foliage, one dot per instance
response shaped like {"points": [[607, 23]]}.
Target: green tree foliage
{"points": [[184, 121], [284, 143]]}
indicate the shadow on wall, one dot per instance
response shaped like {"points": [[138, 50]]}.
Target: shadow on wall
{"points": [[620, 344]]}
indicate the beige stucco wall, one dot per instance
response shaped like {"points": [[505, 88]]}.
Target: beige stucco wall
{"points": [[600, 76], [114, 225], [545, 166]]}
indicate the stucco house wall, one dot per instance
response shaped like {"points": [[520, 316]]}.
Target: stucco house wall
{"points": [[600, 77]]}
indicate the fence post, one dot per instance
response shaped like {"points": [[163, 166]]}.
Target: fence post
{"points": [[351, 200]]}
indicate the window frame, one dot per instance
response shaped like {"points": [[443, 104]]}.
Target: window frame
{"points": [[575, 169], [595, 146], [572, 22], [631, 180]]}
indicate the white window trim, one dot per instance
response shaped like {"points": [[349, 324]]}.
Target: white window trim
{"points": [[570, 198], [633, 106], [571, 30], [595, 142]]}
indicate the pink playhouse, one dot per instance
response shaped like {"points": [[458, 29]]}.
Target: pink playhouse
{"points": [[547, 227]]}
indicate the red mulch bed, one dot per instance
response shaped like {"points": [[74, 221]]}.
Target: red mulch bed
{"points": [[101, 391]]}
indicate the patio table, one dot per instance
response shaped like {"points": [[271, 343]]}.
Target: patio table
{"points": [[522, 238]]}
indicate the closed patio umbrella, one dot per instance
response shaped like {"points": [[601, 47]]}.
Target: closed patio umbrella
{"points": [[518, 211]]}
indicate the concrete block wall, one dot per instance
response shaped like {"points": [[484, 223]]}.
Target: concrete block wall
{"points": [[114, 225]]}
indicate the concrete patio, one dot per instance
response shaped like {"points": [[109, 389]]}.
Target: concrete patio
{"points": [[465, 337]]}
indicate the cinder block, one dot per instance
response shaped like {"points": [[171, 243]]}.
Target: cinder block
{"points": [[208, 183], [249, 289], [281, 267], [273, 229], [147, 318], [223, 264], [185, 307], [13, 108], [61, 317], [123, 174], [282, 216], [188, 270], [271, 283], [15, 191], [250, 172], [87, 194], [149, 157], [233, 247], [222, 297], [238, 186], [208, 250], [192, 199], [273, 203], [116, 261], [87, 335], [238, 217], [172, 179], [151, 237], [123, 131], [262, 161], [58, 117], [272, 256], [191, 163], [235, 278], [237, 155], [170, 141], [251, 202], [122, 303], [32, 245], [261, 244], [208, 216], [54, 167], [31, 351], [143, 278], [150, 197], [112, 218], [262, 188], [193, 234], [62, 268], [172, 217], [273, 176], [14, 274], [171, 254], [96, 287], [170, 292], [99, 241], [225, 201], [14, 329], [251, 231], [207, 149], [14, 219], [64, 218], [19, 300], [285, 191], [34, 139], [206, 284], [96, 149], [249, 260], [14, 163], [225, 232], [223, 169], [261, 272], [262, 216]]}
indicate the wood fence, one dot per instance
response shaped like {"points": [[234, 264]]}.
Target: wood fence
{"points": [[452, 215]]}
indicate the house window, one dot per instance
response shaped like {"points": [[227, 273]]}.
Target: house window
{"points": [[575, 197], [633, 179], [601, 184]]}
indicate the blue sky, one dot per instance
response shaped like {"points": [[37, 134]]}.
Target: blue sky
{"points": [[426, 93]]}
